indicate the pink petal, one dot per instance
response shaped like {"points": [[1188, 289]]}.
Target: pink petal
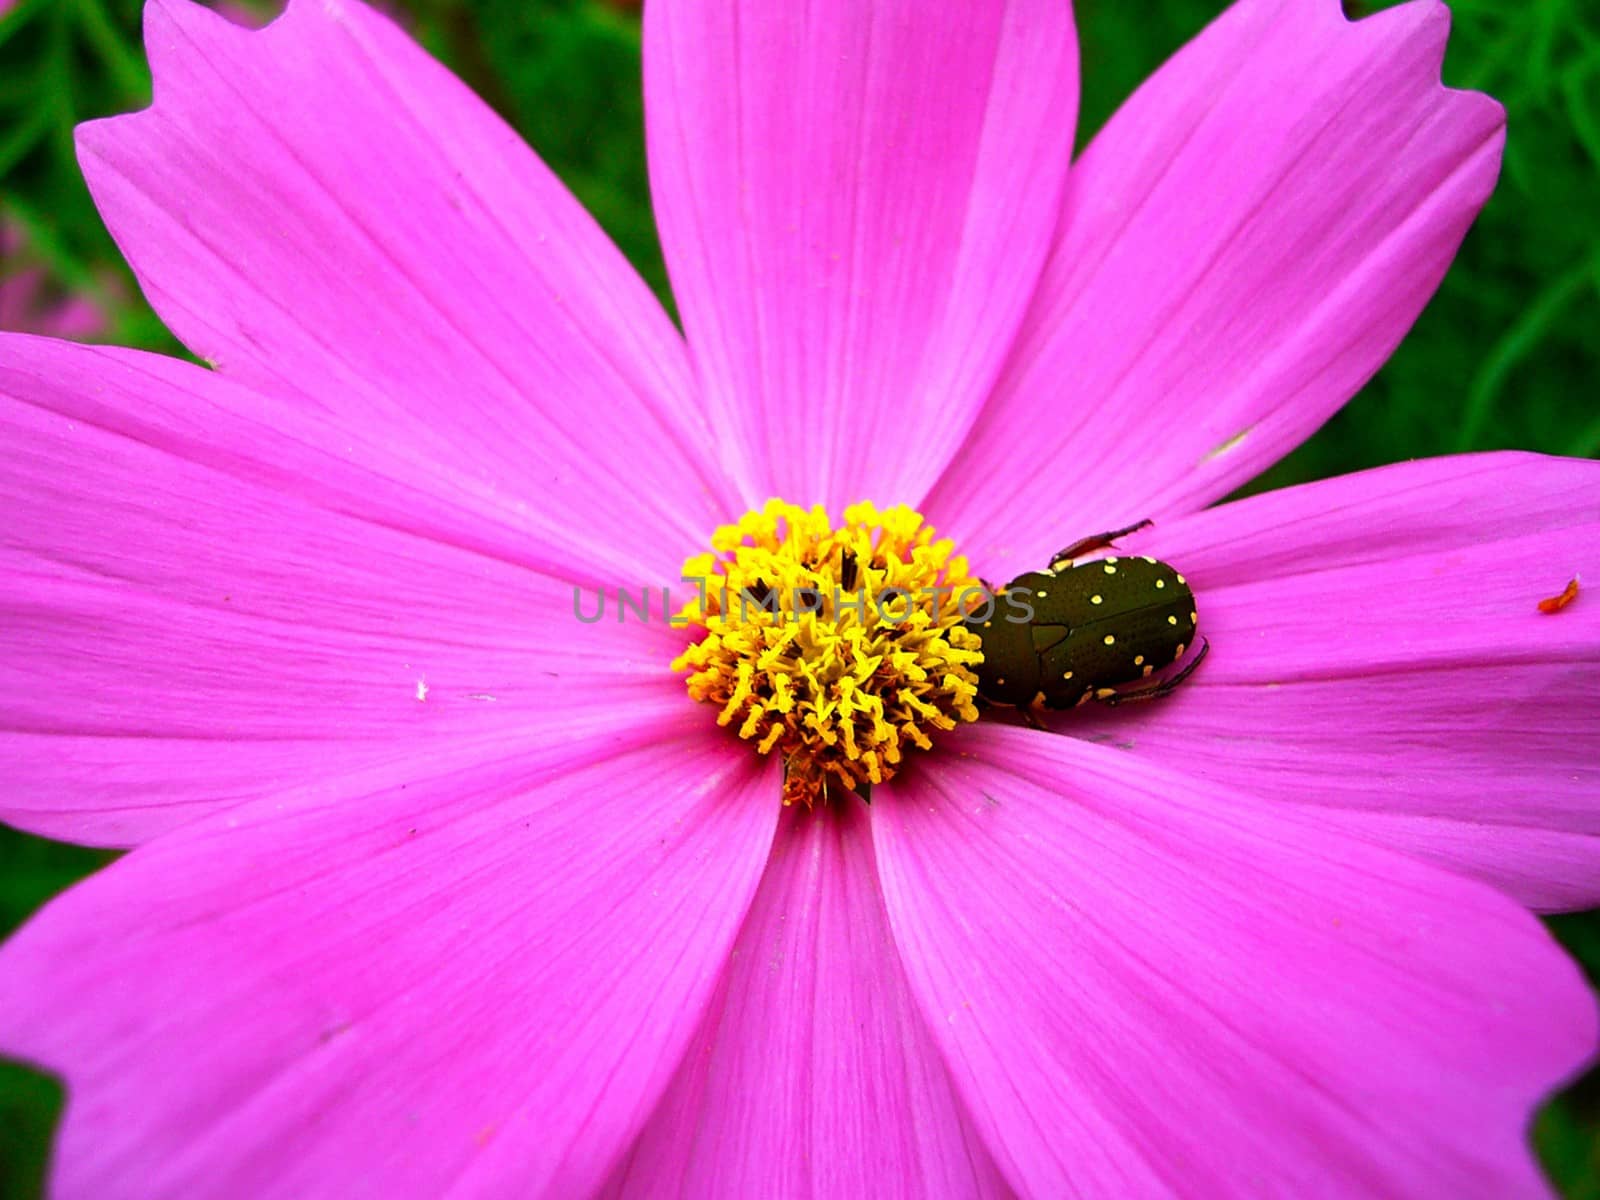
{"points": [[207, 597], [475, 986], [812, 1073], [1244, 244], [77, 317], [1377, 648], [1145, 985], [29, 302], [855, 201], [409, 267]]}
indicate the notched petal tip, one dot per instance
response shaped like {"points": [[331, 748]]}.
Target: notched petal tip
{"points": [[177, 26], [1427, 22], [1288, 191], [173, 30]]}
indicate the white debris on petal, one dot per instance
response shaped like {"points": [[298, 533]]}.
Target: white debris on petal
{"points": [[422, 689]]}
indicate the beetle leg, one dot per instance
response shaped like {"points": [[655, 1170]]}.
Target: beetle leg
{"points": [[1064, 558], [1156, 691], [1030, 715]]}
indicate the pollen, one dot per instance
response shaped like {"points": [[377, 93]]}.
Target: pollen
{"points": [[839, 682]]}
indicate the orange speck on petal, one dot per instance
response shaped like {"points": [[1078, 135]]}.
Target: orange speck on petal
{"points": [[1563, 598]]}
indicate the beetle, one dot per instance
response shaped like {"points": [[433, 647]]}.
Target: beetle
{"points": [[1079, 631]]}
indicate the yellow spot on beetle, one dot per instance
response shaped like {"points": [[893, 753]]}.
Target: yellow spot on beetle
{"points": [[1097, 599], [1172, 620], [1138, 660], [1110, 641], [1110, 570], [1161, 583]]}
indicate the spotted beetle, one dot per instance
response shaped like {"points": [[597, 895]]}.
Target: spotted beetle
{"points": [[1094, 627]]}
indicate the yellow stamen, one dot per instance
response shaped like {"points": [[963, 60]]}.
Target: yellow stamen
{"points": [[832, 647]]}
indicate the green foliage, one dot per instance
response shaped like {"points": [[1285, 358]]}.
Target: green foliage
{"points": [[63, 62], [1505, 356], [31, 871], [30, 1104]]}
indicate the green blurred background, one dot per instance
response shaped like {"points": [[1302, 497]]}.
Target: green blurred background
{"points": [[1506, 356]]}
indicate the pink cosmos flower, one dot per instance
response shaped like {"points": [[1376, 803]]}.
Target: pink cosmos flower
{"points": [[439, 892], [31, 303]]}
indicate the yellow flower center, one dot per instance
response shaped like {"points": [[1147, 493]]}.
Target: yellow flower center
{"points": [[837, 648]]}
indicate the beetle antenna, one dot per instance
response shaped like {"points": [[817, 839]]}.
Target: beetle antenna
{"points": [[1098, 541]]}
